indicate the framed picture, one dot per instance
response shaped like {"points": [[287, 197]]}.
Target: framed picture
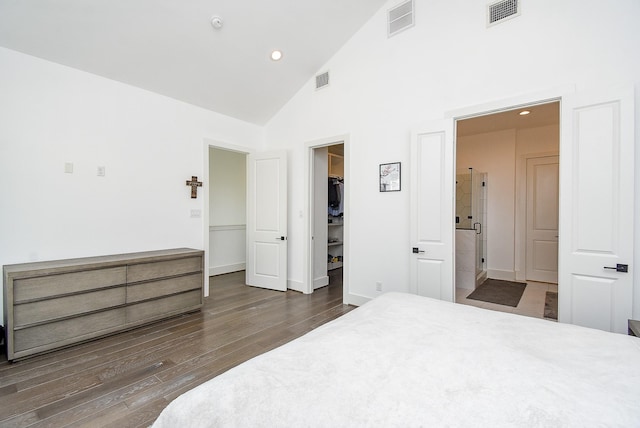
{"points": [[390, 177]]}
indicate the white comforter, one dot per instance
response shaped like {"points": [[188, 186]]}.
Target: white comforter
{"points": [[409, 361]]}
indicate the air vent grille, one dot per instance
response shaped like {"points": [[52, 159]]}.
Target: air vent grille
{"points": [[502, 10], [322, 80], [400, 18]]}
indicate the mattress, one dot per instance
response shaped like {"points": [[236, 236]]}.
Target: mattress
{"points": [[408, 361]]}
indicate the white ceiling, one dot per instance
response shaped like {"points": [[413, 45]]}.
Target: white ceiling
{"points": [[540, 115], [169, 46]]}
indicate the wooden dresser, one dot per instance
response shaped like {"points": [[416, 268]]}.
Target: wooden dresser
{"points": [[49, 305]]}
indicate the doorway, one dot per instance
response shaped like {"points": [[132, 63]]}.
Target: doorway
{"points": [[518, 156], [328, 215], [597, 217], [328, 225], [226, 210]]}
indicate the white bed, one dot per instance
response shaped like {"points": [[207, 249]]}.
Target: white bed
{"points": [[407, 361]]}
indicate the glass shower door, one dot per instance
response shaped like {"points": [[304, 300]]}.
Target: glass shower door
{"points": [[479, 214]]}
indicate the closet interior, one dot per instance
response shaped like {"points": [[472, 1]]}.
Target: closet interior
{"points": [[328, 215], [335, 198]]}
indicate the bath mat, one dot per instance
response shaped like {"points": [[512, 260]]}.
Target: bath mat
{"points": [[497, 291], [551, 305]]}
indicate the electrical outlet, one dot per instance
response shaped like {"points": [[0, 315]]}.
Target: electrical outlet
{"points": [[101, 171], [378, 286]]}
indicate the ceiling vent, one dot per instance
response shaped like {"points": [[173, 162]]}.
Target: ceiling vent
{"points": [[400, 18], [322, 80], [501, 11]]}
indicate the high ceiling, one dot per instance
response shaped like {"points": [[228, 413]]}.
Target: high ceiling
{"points": [[171, 48]]}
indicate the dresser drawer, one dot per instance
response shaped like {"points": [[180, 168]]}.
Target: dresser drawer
{"points": [[61, 307], [60, 333], [164, 287], [66, 283], [161, 269], [159, 308], [53, 304]]}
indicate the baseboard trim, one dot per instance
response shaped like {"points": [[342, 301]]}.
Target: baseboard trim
{"points": [[320, 282], [296, 286], [220, 270], [356, 299], [505, 275], [482, 277]]}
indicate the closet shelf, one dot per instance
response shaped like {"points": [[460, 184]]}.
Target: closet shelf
{"points": [[333, 244]]}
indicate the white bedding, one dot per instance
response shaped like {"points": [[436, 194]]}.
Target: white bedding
{"points": [[408, 361]]}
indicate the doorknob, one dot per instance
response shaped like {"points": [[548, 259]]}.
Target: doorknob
{"points": [[416, 250], [619, 268]]}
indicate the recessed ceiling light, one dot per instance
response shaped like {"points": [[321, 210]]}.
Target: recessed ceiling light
{"points": [[524, 112], [216, 22], [276, 55]]}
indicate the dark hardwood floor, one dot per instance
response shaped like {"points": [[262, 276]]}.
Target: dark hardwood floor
{"points": [[125, 380]]}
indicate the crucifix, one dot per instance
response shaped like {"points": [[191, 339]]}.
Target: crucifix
{"points": [[194, 183]]}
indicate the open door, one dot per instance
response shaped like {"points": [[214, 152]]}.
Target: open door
{"points": [[267, 220], [595, 286], [432, 211]]}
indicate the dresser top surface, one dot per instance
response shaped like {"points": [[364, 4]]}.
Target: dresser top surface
{"points": [[101, 261]]}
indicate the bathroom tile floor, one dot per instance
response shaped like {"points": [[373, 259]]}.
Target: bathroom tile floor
{"points": [[531, 304]]}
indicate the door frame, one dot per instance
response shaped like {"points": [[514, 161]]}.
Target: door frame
{"points": [[308, 259], [212, 144], [560, 94], [498, 106]]}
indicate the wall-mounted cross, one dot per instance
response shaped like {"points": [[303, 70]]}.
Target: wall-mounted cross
{"points": [[194, 183]]}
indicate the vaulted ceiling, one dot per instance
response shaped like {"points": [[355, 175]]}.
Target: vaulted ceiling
{"points": [[171, 48]]}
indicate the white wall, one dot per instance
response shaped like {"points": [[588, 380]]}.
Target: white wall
{"points": [[227, 211], [227, 187], [149, 144], [497, 154], [381, 89]]}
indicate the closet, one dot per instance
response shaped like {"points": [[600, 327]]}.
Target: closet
{"points": [[335, 206], [327, 215]]}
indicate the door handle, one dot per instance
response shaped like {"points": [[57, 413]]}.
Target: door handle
{"points": [[619, 268], [282, 238], [478, 230], [416, 250]]}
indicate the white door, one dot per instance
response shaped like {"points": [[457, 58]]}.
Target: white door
{"points": [[596, 210], [267, 220], [542, 219], [432, 211]]}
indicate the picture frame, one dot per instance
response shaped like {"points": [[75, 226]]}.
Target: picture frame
{"points": [[390, 177]]}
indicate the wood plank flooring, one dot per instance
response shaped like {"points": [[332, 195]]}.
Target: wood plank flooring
{"points": [[127, 379]]}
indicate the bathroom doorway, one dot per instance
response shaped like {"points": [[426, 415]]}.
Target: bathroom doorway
{"points": [[510, 153]]}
